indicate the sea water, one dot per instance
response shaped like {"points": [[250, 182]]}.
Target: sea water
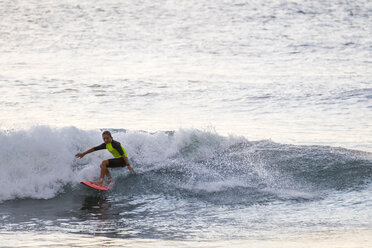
{"points": [[247, 122]]}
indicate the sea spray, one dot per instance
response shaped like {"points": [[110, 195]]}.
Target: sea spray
{"points": [[208, 166], [35, 163], [40, 163]]}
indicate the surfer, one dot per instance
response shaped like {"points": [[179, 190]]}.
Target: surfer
{"points": [[117, 150]]}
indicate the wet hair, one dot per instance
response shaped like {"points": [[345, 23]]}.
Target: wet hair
{"points": [[107, 133]]}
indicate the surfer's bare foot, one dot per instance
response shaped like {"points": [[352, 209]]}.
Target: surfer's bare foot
{"points": [[100, 181]]}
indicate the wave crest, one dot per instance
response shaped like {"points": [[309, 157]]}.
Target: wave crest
{"points": [[39, 163]]}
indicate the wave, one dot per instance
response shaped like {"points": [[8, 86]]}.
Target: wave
{"points": [[39, 163]]}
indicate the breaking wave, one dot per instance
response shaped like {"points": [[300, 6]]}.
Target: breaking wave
{"points": [[39, 163]]}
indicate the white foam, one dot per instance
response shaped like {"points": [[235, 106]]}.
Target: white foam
{"points": [[39, 162], [151, 150]]}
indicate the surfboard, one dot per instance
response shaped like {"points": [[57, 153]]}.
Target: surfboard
{"points": [[103, 187]]}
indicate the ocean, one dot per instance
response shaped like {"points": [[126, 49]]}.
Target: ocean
{"points": [[248, 123]]}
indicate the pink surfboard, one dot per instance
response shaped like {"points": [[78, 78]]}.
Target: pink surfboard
{"points": [[102, 187]]}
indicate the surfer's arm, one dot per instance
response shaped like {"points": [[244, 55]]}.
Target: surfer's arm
{"points": [[120, 149], [80, 155], [127, 163], [100, 147]]}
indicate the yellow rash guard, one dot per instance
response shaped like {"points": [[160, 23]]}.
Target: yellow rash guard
{"points": [[116, 149]]}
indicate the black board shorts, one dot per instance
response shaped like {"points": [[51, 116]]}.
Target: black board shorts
{"points": [[116, 162]]}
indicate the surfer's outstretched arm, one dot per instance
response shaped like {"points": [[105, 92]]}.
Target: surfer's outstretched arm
{"points": [[80, 155]]}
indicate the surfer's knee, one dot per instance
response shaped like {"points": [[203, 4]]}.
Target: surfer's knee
{"points": [[104, 164]]}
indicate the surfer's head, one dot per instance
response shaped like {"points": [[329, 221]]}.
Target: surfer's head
{"points": [[106, 136]]}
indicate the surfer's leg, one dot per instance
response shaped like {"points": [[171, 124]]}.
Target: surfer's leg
{"points": [[104, 170], [108, 174]]}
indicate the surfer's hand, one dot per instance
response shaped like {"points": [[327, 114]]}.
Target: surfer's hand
{"points": [[79, 155], [130, 169]]}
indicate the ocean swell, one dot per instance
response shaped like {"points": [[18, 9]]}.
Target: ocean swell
{"points": [[39, 163]]}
